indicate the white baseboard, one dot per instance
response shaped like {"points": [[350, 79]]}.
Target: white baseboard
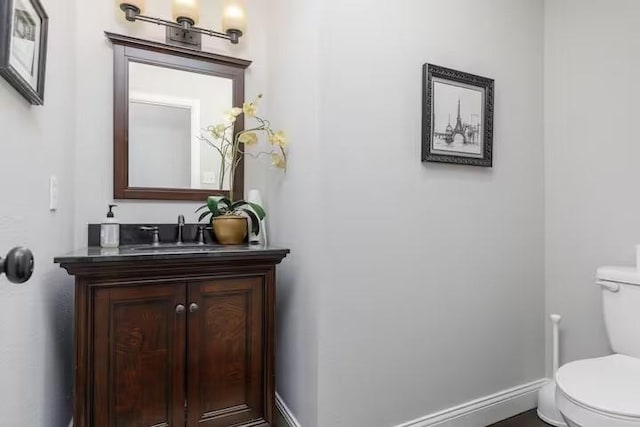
{"points": [[486, 410], [286, 413], [477, 413]]}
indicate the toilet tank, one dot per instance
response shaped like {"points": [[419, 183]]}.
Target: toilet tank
{"points": [[621, 306]]}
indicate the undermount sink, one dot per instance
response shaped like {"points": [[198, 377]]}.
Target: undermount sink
{"points": [[173, 247]]}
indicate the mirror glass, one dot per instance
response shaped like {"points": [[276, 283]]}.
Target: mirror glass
{"points": [[169, 111]]}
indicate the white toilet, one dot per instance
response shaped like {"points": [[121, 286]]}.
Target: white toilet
{"points": [[605, 392]]}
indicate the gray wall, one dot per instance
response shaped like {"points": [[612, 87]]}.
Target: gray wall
{"points": [[296, 207], [35, 319], [159, 146], [436, 293], [423, 283], [592, 158]]}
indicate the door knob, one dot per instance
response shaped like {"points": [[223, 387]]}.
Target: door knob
{"points": [[18, 265], [180, 309], [193, 307]]}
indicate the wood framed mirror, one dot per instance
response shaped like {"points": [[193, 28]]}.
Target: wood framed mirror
{"points": [[164, 99]]}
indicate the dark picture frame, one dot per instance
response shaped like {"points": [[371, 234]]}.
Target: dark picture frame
{"points": [[130, 49], [24, 27], [457, 117]]}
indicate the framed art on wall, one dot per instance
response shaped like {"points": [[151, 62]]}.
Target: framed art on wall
{"points": [[457, 123], [23, 47]]}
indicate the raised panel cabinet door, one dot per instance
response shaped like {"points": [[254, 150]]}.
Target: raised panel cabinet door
{"points": [[139, 356], [226, 361]]}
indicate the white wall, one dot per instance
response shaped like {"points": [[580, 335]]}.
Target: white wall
{"points": [[94, 84], [427, 279], [296, 202], [35, 319], [592, 158], [436, 293]]}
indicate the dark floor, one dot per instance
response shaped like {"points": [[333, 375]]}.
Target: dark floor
{"points": [[528, 419]]}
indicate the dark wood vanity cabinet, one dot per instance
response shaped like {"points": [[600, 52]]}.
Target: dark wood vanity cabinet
{"points": [[226, 357], [136, 368], [182, 342]]}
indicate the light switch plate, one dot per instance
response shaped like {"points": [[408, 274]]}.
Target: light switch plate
{"points": [[53, 193], [209, 178]]}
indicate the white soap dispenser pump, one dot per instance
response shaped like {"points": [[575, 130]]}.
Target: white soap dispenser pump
{"points": [[110, 230]]}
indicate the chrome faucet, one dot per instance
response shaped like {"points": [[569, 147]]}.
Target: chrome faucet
{"points": [[180, 240]]}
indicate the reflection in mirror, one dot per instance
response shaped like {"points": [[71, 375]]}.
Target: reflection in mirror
{"points": [[168, 111]]}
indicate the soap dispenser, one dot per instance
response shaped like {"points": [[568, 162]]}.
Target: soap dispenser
{"points": [[110, 230]]}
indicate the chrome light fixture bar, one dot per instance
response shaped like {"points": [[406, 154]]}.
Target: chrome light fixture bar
{"points": [[184, 32]]}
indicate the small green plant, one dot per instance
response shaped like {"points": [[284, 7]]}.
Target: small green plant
{"points": [[218, 206]]}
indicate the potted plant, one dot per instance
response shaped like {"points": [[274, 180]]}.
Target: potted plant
{"points": [[229, 219], [228, 215]]}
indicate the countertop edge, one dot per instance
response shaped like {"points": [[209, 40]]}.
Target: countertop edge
{"points": [[245, 252]]}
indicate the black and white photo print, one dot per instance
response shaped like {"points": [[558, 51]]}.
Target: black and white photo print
{"points": [[457, 117], [23, 47]]}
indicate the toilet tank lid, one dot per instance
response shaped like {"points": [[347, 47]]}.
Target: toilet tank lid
{"points": [[627, 275]]}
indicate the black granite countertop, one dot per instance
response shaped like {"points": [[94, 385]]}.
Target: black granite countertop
{"points": [[167, 252]]}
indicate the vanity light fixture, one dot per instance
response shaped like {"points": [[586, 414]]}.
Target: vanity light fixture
{"points": [[186, 13]]}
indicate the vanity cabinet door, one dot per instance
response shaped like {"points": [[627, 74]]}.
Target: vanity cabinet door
{"points": [[139, 356], [227, 366]]}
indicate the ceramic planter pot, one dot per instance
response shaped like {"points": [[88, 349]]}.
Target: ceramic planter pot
{"points": [[230, 229]]}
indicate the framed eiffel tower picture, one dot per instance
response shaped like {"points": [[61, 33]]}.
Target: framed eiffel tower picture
{"points": [[457, 117]]}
